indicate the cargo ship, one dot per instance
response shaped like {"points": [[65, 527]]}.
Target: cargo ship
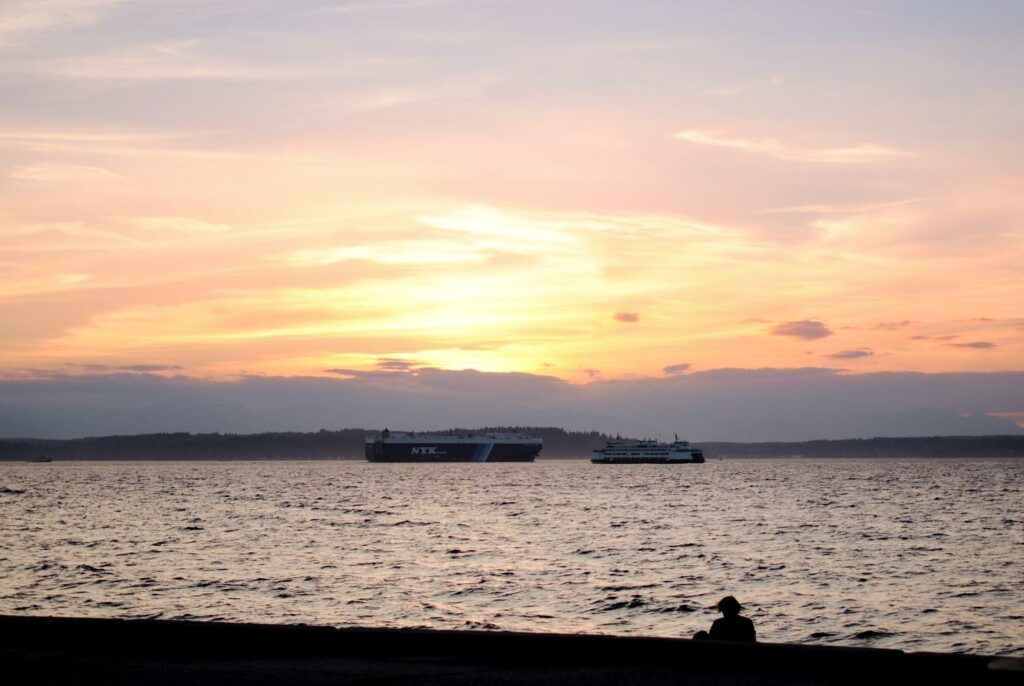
{"points": [[628, 451], [401, 446]]}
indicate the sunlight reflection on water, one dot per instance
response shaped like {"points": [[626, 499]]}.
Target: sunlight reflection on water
{"points": [[911, 554]]}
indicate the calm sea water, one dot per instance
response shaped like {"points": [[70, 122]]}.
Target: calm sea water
{"points": [[911, 554]]}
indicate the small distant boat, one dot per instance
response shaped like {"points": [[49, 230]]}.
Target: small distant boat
{"points": [[39, 458], [629, 451]]}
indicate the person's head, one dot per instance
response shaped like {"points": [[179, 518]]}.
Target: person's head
{"points": [[729, 606]]}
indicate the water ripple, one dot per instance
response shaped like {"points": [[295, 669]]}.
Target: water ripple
{"points": [[914, 554]]}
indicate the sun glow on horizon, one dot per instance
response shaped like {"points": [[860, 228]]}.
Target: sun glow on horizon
{"points": [[633, 199]]}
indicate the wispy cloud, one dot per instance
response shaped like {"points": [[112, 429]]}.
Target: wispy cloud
{"points": [[22, 19], [451, 88], [198, 145], [97, 368], [847, 209], [892, 326], [46, 284], [83, 143], [852, 354], [626, 317], [399, 252], [55, 136], [807, 329], [155, 61], [354, 6], [493, 223], [976, 345], [397, 364], [47, 172], [188, 225], [862, 153], [673, 369]]}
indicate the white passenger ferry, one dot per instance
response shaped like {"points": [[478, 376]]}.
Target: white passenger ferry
{"points": [[629, 451]]}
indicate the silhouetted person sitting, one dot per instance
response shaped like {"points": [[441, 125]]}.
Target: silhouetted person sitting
{"points": [[732, 626]]}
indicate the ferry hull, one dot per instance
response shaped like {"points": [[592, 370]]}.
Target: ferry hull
{"points": [[647, 452], [696, 459], [483, 451]]}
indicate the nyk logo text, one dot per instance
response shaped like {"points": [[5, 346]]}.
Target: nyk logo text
{"points": [[425, 450]]}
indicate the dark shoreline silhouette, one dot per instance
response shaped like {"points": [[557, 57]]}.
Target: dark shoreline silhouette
{"points": [[43, 650], [558, 444]]}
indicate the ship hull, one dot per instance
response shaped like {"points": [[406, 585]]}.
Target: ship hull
{"points": [[428, 452], [647, 452], [644, 460]]}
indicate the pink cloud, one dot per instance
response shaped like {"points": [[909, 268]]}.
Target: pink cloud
{"points": [[627, 317]]}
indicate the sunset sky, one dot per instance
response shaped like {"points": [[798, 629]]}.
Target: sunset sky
{"points": [[584, 190]]}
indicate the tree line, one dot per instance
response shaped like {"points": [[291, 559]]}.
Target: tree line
{"points": [[347, 444], [344, 444]]}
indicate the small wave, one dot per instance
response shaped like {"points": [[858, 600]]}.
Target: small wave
{"points": [[11, 491], [870, 634], [678, 608], [627, 587], [631, 604], [468, 590], [110, 603]]}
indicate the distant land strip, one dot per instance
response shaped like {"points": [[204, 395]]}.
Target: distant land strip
{"points": [[347, 444]]}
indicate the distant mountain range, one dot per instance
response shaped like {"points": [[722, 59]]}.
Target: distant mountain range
{"points": [[347, 444]]}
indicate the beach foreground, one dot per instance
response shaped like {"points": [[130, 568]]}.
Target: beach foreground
{"points": [[48, 650]]}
